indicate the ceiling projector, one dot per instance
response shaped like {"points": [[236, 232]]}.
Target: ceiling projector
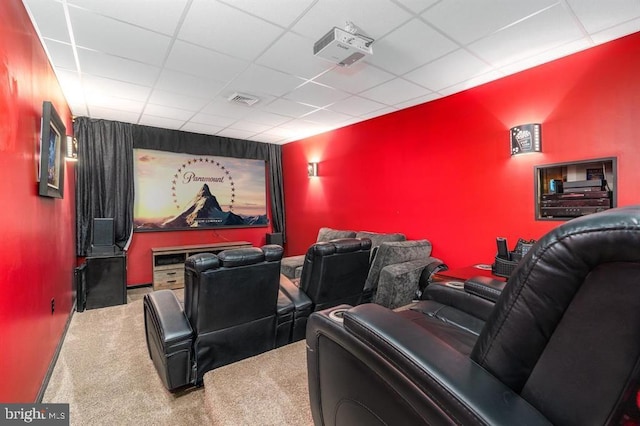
{"points": [[343, 47]]}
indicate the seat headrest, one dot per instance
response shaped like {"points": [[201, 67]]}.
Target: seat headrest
{"points": [[341, 245], [241, 257], [272, 252]]}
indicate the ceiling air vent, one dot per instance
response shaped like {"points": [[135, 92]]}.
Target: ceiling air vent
{"points": [[241, 98]]}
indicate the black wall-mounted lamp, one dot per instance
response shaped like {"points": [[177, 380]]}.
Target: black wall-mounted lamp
{"points": [[526, 138], [312, 169], [72, 149]]}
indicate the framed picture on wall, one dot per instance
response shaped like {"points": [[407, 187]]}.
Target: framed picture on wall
{"points": [[51, 166]]}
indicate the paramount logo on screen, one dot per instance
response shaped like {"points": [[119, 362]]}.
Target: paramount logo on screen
{"points": [[189, 177]]}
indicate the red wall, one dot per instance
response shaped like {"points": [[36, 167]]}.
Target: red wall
{"points": [[139, 258], [443, 170], [37, 255]]}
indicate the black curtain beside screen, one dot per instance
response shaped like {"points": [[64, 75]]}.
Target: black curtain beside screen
{"points": [[104, 178], [104, 183]]}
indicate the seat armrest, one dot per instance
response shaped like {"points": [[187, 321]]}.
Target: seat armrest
{"points": [[302, 307], [432, 377], [299, 298], [460, 299], [168, 316], [485, 287]]}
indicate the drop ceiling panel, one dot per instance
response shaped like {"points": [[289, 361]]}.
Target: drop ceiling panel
{"points": [[395, 91], [621, 30], [374, 17], [466, 21], [188, 85], [293, 54], [323, 116], [284, 15], [268, 118], [212, 119], [356, 105], [167, 112], [61, 54], [288, 108], [202, 62], [546, 30], [164, 19], [115, 88], [108, 66], [222, 28], [600, 15], [260, 80], [451, 69], [117, 38], [189, 103], [115, 114], [417, 6], [205, 129], [410, 46], [316, 95], [236, 133], [163, 123], [50, 18], [354, 79]]}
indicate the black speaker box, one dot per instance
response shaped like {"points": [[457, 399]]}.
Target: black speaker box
{"points": [[275, 238], [103, 233]]}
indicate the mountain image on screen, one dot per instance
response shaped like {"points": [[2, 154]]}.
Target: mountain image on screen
{"points": [[204, 210]]}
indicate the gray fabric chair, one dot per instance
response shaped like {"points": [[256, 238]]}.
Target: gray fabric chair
{"points": [[291, 266], [395, 272]]}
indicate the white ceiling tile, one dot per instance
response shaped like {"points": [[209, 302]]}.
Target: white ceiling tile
{"points": [[316, 95], [379, 113], [189, 103], [250, 126], [293, 54], [546, 56], [395, 91], [161, 122], [451, 69], [117, 38], [97, 97], [375, 18], [323, 116], [474, 81], [266, 138], [115, 114], [260, 80], [283, 15], [188, 85], [355, 78], [618, 31], [201, 128], [61, 54], [466, 21], [288, 108], [417, 101], [222, 107], [50, 18], [406, 48], [356, 106], [115, 88], [235, 133], [164, 19], [167, 112], [541, 32], [227, 30], [270, 119], [212, 120], [599, 15], [72, 87], [103, 65], [417, 6], [202, 62]]}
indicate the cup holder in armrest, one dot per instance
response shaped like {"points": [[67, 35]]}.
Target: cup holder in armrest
{"points": [[337, 314]]}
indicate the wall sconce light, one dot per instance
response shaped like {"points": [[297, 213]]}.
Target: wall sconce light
{"points": [[526, 138], [312, 169], [72, 149]]}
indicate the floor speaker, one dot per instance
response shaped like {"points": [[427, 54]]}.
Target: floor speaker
{"points": [[275, 238]]}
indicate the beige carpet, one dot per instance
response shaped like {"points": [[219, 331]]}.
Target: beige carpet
{"points": [[106, 376]]}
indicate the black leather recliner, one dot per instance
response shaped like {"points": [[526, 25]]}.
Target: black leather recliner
{"points": [[561, 346], [231, 312], [333, 273]]}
